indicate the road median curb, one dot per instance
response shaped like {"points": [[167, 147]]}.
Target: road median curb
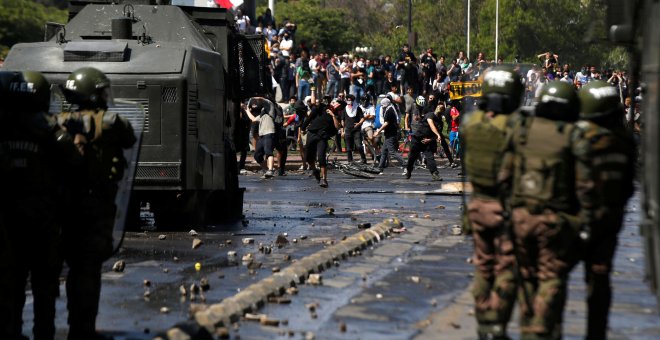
{"points": [[253, 297]]}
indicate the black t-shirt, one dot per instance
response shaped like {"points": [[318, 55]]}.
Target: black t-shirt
{"points": [[320, 123], [362, 80], [379, 73], [391, 130], [349, 121], [424, 130], [407, 57], [428, 64]]}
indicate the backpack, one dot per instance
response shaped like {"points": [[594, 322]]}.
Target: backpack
{"points": [[378, 120]]}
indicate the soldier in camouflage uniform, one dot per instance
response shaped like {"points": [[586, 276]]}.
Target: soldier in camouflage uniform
{"points": [[606, 163], [540, 169], [34, 154], [87, 234], [484, 132]]}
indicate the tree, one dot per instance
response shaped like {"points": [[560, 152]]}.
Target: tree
{"points": [[23, 21], [526, 27], [325, 26]]}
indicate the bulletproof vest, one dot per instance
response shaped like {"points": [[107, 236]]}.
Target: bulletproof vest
{"points": [[107, 135], [611, 153], [485, 140], [544, 166]]}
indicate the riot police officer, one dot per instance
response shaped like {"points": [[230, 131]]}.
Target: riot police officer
{"points": [[544, 207], [605, 158], [101, 135], [485, 132], [34, 154]]}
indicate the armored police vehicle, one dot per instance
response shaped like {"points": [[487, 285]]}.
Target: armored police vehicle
{"points": [[189, 68], [632, 24]]}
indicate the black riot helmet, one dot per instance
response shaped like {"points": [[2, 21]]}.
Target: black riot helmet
{"points": [[88, 88], [27, 91], [502, 90], [558, 100], [365, 100]]}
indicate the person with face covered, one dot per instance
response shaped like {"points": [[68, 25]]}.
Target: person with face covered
{"points": [[390, 128], [352, 120], [258, 111], [321, 125], [426, 133]]}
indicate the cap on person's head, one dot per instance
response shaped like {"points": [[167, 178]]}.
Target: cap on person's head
{"points": [[308, 100]]}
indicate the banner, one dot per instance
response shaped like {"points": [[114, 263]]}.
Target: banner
{"points": [[461, 89]]}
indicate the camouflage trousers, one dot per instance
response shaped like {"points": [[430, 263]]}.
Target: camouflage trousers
{"points": [[597, 255], [494, 287], [547, 244]]}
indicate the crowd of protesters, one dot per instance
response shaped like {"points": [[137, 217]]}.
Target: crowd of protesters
{"points": [[411, 92]]}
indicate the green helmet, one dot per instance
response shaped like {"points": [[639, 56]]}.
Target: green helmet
{"points": [[27, 91], [558, 100], [598, 99], [501, 90], [89, 88]]}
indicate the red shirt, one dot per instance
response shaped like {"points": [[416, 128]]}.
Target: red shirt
{"points": [[454, 119]]}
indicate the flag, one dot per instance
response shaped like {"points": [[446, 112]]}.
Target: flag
{"points": [[229, 3]]}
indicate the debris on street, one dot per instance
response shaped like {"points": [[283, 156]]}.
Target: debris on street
{"points": [[315, 279], [119, 266]]}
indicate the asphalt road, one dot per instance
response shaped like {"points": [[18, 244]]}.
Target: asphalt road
{"points": [[415, 283]]}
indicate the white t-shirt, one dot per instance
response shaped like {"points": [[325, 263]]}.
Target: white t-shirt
{"points": [[346, 70], [285, 46], [368, 111], [312, 66], [243, 23], [529, 75]]}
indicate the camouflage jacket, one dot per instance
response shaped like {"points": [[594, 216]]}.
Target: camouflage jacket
{"points": [[605, 171]]}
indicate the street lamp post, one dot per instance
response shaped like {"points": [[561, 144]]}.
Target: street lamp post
{"points": [[468, 29], [410, 32], [497, 25]]}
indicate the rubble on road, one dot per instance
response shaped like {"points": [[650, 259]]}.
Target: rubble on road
{"points": [[119, 266], [196, 243], [315, 279]]}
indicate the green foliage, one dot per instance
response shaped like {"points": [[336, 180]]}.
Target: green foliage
{"points": [[526, 27], [23, 21], [325, 26]]}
